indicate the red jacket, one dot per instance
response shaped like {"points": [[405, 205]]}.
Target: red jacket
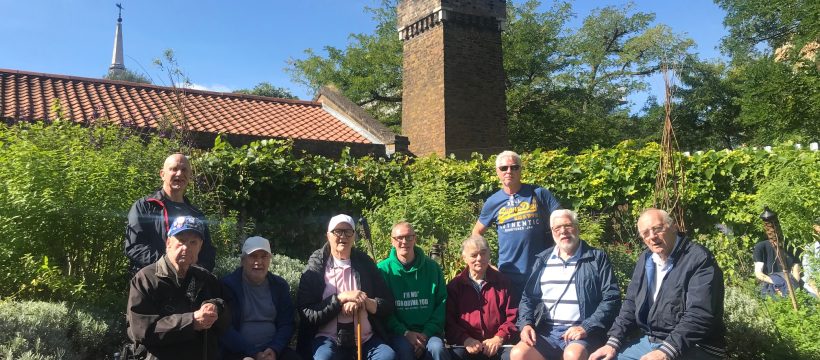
{"points": [[479, 316]]}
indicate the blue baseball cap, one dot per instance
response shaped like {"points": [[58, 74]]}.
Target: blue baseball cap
{"points": [[186, 223]]}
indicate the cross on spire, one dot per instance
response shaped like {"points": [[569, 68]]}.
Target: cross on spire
{"points": [[117, 57]]}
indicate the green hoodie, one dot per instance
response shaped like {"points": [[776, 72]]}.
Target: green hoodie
{"points": [[420, 294]]}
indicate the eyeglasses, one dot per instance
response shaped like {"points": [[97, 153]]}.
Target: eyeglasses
{"points": [[655, 230], [404, 237], [342, 232], [510, 167], [558, 228]]}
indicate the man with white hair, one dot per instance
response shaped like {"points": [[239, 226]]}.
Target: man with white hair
{"points": [[481, 317], [519, 212], [570, 300], [262, 312], [675, 299]]}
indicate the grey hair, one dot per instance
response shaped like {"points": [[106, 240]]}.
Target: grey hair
{"points": [[403, 223], [667, 219], [478, 241], [572, 215], [507, 154]]}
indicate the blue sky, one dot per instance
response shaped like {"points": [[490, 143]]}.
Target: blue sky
{"points": [[224, 46]]}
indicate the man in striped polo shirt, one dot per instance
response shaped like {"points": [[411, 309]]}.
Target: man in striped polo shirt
{"points": [[570, 299]]}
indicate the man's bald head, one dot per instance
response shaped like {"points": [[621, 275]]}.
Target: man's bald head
{"points": [[175, 174]]}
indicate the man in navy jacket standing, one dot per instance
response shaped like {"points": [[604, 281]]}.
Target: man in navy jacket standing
{"points": [[148, 219], [675, 298]]}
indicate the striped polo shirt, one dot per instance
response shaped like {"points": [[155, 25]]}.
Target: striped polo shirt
{"points": [[556, 287]]}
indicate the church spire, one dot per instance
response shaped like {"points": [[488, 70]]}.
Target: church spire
{"points": [[116, 59]]}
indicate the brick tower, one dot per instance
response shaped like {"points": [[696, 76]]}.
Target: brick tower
{"points": [[453, 99]]}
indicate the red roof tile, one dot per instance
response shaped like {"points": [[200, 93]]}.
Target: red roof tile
{"points": [[29, 96]]}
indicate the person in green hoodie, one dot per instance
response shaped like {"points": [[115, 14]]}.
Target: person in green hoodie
{"points": [[417, 284]]}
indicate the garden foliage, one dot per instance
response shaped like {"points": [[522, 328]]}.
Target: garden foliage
{"points": [[68, 188], [66, 191], [42, 330]]}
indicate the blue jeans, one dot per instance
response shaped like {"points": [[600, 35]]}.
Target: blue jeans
{"points": [[435, 349], [325, 348], [634, 351]]}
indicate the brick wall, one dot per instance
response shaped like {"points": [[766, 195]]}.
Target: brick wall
{"points": [[476, 113], [423, 93]]}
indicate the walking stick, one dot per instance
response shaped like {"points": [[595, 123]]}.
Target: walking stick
{"points": [[358, 334]]}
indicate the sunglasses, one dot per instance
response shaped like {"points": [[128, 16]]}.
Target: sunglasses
{"points": [[511, 167]]}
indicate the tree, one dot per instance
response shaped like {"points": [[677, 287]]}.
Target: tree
{"points": [[592, 71], [266, 89], [368, 71], [614, 51], [705, 115], [779, 102], [126, 75], [574, 82], [773, 23]]}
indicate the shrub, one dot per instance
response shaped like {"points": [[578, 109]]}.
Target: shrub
{"points": [[770, 329], [288, 268], [67, 190], [439, 212], [40, 330]]}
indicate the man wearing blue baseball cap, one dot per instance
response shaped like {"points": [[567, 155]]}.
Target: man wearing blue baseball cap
{"points": [[175, 307]]}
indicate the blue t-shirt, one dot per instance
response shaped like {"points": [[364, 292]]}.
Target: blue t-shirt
{"points": [[522, 222]]}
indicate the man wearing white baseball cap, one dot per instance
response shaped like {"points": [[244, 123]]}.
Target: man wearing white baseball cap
{"points": [[262, 309], [341, 284]]}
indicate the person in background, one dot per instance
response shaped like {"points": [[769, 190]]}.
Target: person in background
{"points": [[262, 312], [811, 257], [481, 314], [769, 272]]}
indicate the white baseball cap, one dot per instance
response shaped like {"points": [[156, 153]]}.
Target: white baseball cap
{"points": [[254, 243], [338, 219]]}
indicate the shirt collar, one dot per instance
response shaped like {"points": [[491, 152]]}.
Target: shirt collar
{"points": [[574, 257], [663, 265]]}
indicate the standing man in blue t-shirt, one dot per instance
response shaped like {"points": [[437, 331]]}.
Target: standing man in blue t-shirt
{"points": [[521, 215]]}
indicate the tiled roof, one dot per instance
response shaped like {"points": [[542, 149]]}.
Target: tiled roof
{"points": [[29, 96]]}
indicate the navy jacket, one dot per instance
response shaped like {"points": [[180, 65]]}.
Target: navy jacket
{"points": [[688, 310], [147, 229], [598, 295], [232, 341], [315, 311]]}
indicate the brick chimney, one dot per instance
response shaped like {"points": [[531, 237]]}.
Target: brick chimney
{"points": [[453, 92]]}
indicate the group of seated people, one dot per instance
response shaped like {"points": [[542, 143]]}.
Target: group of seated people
{"points": [[570, 306]]}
